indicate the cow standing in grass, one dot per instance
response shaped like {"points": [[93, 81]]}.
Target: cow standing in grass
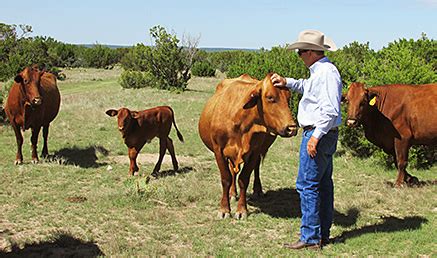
{"points": [[139, 127], [239, 123], [394, 118], [33, 102]]}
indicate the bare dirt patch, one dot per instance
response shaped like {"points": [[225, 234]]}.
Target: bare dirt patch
{"points": [[150, 158]]}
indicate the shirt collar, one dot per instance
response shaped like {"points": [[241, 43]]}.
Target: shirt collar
{"points": [[314, 66]]}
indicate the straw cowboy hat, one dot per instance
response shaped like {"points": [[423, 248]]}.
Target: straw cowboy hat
{"points": [[313, 40]]}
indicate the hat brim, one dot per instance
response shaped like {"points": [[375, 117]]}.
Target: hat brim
{"points": [[328, 45]]}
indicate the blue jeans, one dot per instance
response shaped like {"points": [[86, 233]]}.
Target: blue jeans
{"points": [[315, 187]]}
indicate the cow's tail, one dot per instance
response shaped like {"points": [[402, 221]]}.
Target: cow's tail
{"points": [[181, 138]]}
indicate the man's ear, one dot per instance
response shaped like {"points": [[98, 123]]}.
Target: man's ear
{"points": [[111, 112]]}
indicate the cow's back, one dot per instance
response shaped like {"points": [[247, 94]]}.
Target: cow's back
{"points": [[411, 109], [51, 97]]}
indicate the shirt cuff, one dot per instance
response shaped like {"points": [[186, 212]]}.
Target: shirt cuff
{"points": [[317, 133]]}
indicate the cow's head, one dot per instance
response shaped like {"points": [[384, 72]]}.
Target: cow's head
{"points": [[272, 104], [359, 99], [125, 119], [29, 81]]}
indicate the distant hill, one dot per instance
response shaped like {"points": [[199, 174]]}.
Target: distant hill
{"points": [[207, 49]]}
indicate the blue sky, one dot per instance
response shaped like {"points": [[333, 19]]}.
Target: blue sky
{"points": [[225, 23]]}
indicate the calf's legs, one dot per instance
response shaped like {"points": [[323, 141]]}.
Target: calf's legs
{"points": [[133, 153]]}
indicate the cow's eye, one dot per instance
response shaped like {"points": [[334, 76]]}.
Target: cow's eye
{"points": [[270, 99]]}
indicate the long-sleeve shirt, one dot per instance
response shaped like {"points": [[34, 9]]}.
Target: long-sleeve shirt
{"points": [[320, 103]]}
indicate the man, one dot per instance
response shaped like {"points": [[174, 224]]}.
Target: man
{"points": [[319, 115]]}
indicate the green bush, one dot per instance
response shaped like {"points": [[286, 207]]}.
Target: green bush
{"points": [[133, 79], [166, 64], [203, 69]]}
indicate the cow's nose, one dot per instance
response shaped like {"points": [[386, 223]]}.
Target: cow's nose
{"points": [[291, 130], [120, 128], [351, 122], [37, 101]]}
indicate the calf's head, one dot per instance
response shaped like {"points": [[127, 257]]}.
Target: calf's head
{"points": [[273, 107], [125, 119], [29, 82], [358, 99]]}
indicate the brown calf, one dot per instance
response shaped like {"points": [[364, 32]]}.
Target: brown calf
{"points": [[33, 102], [140, 127]]}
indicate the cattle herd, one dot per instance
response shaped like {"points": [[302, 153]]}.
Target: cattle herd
{"points": [[238, 124]]}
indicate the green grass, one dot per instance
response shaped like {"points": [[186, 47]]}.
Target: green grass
{"points": [[82, 201]]}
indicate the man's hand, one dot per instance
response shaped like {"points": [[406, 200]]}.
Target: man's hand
{"points": [[311, 147], [278, 81]]}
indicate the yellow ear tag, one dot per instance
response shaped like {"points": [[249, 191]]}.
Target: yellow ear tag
{"points": [[372, 102]]}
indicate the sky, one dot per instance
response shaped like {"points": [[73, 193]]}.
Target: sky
{"points": [[251, 24]]}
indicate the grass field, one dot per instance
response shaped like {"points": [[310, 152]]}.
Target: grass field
{"points": [[80, 201]]}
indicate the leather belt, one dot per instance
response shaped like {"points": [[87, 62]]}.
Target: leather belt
{"points": [[311, 127]]}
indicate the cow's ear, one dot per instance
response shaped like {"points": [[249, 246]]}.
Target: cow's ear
{"points": [[252, 99], [18, 79], [135, 114], [372, 98], [111, 112], [343, 98]]}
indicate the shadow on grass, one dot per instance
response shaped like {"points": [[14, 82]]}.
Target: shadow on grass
{"points": [[171, 172], [422, 183], [390, 224], [62, 245], [82, 157], [285, 203]]}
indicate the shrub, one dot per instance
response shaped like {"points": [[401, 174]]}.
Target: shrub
{"points": [[203, 69]]}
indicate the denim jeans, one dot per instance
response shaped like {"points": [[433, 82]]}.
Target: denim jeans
{"points": [[315, 187]]}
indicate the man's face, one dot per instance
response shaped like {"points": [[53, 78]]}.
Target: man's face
{"points": [[307, 56]]}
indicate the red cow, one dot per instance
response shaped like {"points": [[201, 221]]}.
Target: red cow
{"points": [[394, 118], [239, 123], [33, 102], [139, 127]]}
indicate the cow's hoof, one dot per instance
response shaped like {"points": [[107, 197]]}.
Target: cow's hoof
{"points": [[18, 162], [241, 215], [35, 161], [224, 215]]}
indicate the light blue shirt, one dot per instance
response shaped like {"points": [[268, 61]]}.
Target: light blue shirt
{"points": [[320, 103]]}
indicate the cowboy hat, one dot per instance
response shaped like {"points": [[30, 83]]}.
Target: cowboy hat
{"points": [[313, 40]]}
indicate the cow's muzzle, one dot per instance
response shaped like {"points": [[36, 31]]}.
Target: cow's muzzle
{"points": [[352, 122], [36, 101], [289, 131]]}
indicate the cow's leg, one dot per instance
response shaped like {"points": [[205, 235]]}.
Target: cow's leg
{"points": [[162, 148], [34, 140], [257, 187], [233, 188], [170, 148], [243, 183], [226, 179], [45, 133], [19, 139], [133, 153], [401, 148]]}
